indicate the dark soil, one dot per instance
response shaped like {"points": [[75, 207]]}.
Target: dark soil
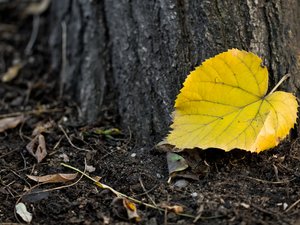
{"points": [[219, 188]]}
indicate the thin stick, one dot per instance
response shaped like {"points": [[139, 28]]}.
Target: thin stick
{"points": [[104, 186], [64, 57], [119, 194], [69, 140], [42, 191], [266, 181], [8, 153], [31, 112], [34, 34], [146, 192], [293, 205], [276, 172], [275, 214], [200, 211], [280, 82]]}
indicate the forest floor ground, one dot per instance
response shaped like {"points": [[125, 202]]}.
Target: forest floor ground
{"points": [[221, 188]]}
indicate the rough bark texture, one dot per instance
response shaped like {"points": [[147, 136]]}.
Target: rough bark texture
{"points": [[143, 50]]}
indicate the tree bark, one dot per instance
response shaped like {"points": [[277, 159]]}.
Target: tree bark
{"points": [[141, 51]]}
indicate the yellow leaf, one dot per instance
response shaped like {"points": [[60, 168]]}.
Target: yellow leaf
{"points": [[224, 104]]}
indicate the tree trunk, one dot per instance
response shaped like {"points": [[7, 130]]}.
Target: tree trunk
{"points": [[141, 51]]}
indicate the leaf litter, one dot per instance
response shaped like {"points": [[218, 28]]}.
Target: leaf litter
{"points": [[21, 210], [12, 72], [123, 206], [37, 147], [54, 178], [10, 122], [217, 196], [176, 163], [128, 201]]}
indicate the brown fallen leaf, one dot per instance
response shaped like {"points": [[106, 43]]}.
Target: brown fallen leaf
{"points": [[97, 178], [43, 128], [37, 147], [131, 210], [54, 178], [12, 72], [173, 208], [123, 206], [10, 122], [164, 147]]}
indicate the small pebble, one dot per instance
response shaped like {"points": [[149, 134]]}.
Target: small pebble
{"points": [[194, 194], [64, 157], [181, 183], [133, 155], [31, 60], [247, 206], [90, 168]]}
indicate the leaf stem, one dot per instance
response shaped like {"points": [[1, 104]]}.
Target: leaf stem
{"points": [[119, 194], [279, 83]]}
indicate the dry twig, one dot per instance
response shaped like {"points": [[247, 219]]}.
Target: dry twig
{"points": [[69, 140]]}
